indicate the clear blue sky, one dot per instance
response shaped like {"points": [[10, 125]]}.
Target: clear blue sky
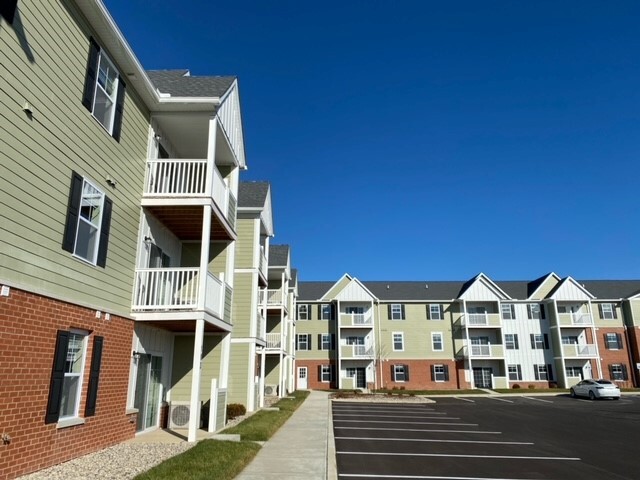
{"points": [[420, 140]]}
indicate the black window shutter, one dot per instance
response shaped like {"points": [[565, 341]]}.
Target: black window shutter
{"points": [[57, 377], [402, 312], [619, 340], [94, 377], [549, 372], [519, 372], [393, 373], [333, 341], [536, 374], [320, 373], [334, 378], [611, 372], [625, 376], [546, 341], [606, 341], [428, 312], [542, 315], [613, 308], [513, 312], [515, 341], [389, 311], [104, 232], [446, 373], [91, 75], [333, 312], [319, 341], [600, 312], [320, 312], [529, 314], [533, 341], [433, 373], [8, 9], [73, 211], [117, 118], [309, 342], [406, 373]]}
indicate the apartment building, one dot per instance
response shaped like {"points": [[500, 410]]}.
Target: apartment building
{"points": [[118, 239], [480, 333]]}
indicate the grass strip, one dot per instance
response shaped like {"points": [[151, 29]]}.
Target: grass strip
{"points": [[530, 391], [428, 392], [209, 459]]}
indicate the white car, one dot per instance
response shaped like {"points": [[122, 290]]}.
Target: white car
{"points": [[596, 389]]}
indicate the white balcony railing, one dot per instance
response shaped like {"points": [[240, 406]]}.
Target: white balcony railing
{"points": [[486, 350], [176, 177], [575, 318], [362, 351], [356, 319], [274, 340], [273, 297], [579, 350], [481, 350], [478, 318], [176, 289]]}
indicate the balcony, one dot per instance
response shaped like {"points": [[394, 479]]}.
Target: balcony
{"points": [[481, 320], [274, 297], [484, 351], [356, 351], [261, 325], [575, 319], [356, 319], [579, 350], [177, 289], [263, 266], [274, 341]]}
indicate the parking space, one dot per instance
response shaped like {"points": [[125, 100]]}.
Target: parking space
{"points": [[524, 437]]}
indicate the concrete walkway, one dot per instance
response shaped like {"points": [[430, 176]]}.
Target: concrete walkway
{"points": [[303, 448]]}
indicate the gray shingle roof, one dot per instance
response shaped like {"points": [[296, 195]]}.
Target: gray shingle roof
{"points": [[252, 194], [278, 255], [179, 83], [447, 290]]}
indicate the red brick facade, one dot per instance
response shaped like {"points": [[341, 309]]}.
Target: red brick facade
{"points": [[420, 375], [313, 374], [611, 355], [28, 329]]}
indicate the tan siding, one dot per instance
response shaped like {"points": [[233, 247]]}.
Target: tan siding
{"points": [[335, 290], [243, 308], [181, 371], [545, 289], [38, 155], [246, 243], [238, 373]]}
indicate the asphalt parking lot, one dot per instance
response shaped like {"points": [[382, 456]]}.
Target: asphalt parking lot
{"points": [[498, 438]]}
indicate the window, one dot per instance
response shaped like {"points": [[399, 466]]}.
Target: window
{"points": [[543, 372], [569, 340], [607, 311], [573, 372], [326, 341], [326, 311], [86, 232], [351, 372], [400, 373], [508, 311], [535, 311], [355, 340], [618, 372], [434, 311], [511, 341], [539, 341], [325, 373], [67, 374], [436, 342], [104, 90], [303, 341], [613, 341], [396, 311], [440, 373], [515, 372], [398, 341], [303, 311]]}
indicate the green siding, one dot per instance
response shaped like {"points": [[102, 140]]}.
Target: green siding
{"points": [[246, 243], [240, 370], [243, 307], [38, 155], [181, 372], [336, 289], [545, 289], [271, 370]]}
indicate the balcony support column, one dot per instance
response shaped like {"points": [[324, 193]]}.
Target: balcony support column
{"points": [[263, 360], [194, 418], [211, 153], [204, 255]]}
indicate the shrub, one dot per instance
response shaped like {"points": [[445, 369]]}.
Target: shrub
{"points": [[235, 410], [531, 387], [515, 386], [402, 387]]}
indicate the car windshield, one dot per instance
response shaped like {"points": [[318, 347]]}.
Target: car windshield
{"points": [[604, 382]]}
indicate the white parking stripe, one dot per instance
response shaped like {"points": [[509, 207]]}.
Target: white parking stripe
{"points": [[408, 423], [381, 410], [450, 455], [430, 440], [538, 399], [501, 399], [416, 430], [387, 416], [465, 399], [420, 477]]}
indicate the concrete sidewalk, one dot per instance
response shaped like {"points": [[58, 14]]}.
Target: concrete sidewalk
{"points": [[303, 448]]}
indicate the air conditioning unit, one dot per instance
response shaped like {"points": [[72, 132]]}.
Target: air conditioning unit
{"points": [[179, 414], [270, 390]]}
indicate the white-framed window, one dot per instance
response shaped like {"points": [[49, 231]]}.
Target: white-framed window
{"points": [[613, 341], [325, 341], [436, 342], [396, 311], [303, 311], [542, 372], [535, 311], [89, 222], [435, 311], [353, 340], [573, 371], [607, 311], [398, 341], [351, 372], [73, 374], [511, 341], [618, 371], [539, 341], [303, 341], [325, 374], [400, 373], [104, 97], [508, 311], [440, 373], [325, 311], [569, 340], [515, 372]]}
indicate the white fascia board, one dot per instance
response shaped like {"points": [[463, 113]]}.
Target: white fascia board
{"points": [[552, 274]]}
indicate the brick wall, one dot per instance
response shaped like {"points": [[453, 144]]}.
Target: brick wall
{"points": [[313, 377], [420, 375], [613, 356], [28, 329]]}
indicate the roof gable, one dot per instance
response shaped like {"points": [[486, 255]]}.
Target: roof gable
{"points": [[541, 287], [568, 289], [180, 83], [482, 288], [337, 287], [355, 291]]}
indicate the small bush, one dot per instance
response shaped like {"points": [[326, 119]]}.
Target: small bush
{"points": [[402, 387], [515, 386], [235, 410], [553, 385], [531, 387]]}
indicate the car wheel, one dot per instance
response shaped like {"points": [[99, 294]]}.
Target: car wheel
{"points": [[572, 392], [592, 395], [616, 398]]}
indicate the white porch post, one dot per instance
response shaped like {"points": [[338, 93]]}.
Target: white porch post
{"points": [[263, 359], [194, 418]]}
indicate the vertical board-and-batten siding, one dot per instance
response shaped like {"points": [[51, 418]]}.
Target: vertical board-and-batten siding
{"points": [[569, 291], [39, 154], [354, 293], [479, 291]]}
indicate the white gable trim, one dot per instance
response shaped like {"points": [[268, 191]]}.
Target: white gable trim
{"points": [[569, 289], [231, 122], [481, 278], [355, 291]]}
